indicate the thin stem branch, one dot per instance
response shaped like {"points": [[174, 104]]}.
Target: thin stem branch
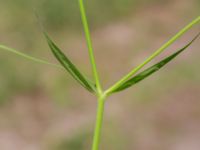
{"points": [[89, 44], [99, 121], [29, 57], [156, 53]]}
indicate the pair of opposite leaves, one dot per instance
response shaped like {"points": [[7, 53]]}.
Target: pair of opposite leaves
{"points": [[90, 86]]}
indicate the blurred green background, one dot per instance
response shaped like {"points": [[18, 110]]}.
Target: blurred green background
{"points": [[42, 108]]}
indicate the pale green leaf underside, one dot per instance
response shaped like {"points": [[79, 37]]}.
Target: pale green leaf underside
{"points": [[69, 66], [149, 71]]}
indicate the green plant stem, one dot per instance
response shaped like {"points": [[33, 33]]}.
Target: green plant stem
{"points": [[29, 57], [89, 44], [156, 53], [99, 121]]}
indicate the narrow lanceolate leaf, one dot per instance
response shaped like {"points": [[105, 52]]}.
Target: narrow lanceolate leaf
{"points": [[70, 67], [149, 71]]}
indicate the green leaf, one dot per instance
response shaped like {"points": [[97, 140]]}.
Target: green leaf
{"points": [[149, 71], [69, 66]]}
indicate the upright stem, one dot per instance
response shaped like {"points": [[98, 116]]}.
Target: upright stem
{"points": [[89, 44], [99, 121]]}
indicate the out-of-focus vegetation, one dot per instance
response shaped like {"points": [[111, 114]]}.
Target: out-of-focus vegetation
{"points": [[62, 13], [39, 106]]}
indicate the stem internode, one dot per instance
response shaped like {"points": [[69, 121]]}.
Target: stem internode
{"points": [[99, 122]]}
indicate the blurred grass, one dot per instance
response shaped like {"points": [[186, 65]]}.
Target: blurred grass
{"points": [[61, 14], [15, 79], [76, 142]]}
